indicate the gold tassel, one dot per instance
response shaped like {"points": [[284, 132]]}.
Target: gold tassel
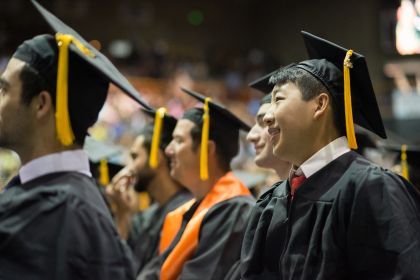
{"points": [[351, 136], [157, 131], [144, 200], [404, 165], [204, 168], [103, 172], [63, 126]]}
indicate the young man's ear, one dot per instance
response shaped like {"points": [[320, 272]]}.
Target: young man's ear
{"points": [[42, 104], [212, 147], [321, 104], [162, 160]]}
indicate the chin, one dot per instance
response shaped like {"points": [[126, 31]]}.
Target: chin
{"points": [[260, 162]]}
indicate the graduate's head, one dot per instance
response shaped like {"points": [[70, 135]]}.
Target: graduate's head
{"points": [[206, 144], [61, 83], [308, 109], [86, 89], [142, 149], [258, 135]]}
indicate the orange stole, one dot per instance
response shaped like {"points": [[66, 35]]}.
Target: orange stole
{"points": [[227, 187]]}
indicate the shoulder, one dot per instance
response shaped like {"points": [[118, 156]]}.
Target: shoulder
{"points": [[368, 186], [238, 205]]}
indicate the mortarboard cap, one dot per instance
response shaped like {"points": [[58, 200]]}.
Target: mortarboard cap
{"points": [[408, 161], [341, 70], [263, 85], [77, 72], [405, 140], [218, 123], [105, 159], [163, 127]]}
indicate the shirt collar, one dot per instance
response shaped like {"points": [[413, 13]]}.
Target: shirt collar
{"points": [[74, 160], [321, 158]]}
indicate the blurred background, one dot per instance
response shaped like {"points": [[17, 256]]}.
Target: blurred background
{"points": [[218, 47]]}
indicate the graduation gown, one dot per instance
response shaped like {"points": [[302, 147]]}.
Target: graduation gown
{"points": [[219, 245], [146, 226], [57, 226], [350, 220]]}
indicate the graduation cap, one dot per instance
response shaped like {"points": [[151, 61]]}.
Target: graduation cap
{"points": [[77, 72], [404, 140], [217, 122], [163, 127], [105, 159], [264, 86], [329, 63], [408, 159]]}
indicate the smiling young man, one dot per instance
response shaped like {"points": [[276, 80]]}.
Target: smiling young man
{"points": [[142, 229], [338, 216], [54, 223], [259, 137], [202, 238]]}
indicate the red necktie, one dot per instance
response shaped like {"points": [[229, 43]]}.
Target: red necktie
{"points": [[296, 182]]}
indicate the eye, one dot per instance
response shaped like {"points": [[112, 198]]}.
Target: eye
{"points": [[278, 98], [133, 155]]}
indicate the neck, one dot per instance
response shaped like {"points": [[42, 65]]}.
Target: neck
{"points": [[28, 154], [282, 169], [202, 188], [322, 135], [162, 188]]}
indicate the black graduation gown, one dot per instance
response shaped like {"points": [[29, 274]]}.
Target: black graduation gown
{"points": [[58, 227], [220, 240], [350, 220], [145, 230]]}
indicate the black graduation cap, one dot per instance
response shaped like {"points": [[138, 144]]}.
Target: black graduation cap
{"points": [[77, 71], [163, 127], [217, 122], [264, 86], [328, 62], [404, 141], [105, 159]]}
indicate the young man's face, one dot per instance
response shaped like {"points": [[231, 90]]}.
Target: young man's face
{"points": [[184, 159], [259, 137], [290, 121], [15, 116], [139, 164]]}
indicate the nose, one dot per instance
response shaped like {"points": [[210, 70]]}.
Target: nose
{"points": [[269, 116], [169, 151], [253, 134]]}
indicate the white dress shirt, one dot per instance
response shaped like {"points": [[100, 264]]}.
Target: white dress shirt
{"points": [[321, 158], [73, 160]]}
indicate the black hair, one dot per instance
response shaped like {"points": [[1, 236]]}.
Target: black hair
{"points": [[310, 87]]}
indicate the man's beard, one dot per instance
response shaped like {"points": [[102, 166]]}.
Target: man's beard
{"points": [[143, 181]]}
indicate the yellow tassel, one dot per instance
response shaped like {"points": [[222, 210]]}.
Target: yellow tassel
{"points": [[351, 136], [404, 165], [204, 169], [64, 131], [103, 172], [144, 201], [157, 131]]}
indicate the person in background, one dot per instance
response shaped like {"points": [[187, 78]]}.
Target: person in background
{"points": [[259, 137], [142, 229], [202, 238]]}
